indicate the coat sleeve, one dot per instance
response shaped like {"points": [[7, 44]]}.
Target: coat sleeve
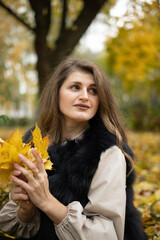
{"points": [[10, 223], [104, 216]]}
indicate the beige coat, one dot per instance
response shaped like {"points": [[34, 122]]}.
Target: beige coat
{"points": [[102, 218]]}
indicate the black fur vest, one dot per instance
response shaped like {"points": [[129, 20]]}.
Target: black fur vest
{"points": [[74, 166]]}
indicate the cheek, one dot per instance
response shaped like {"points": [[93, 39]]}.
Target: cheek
{"points": [[65, 100], [61, 101], [96, 104]]}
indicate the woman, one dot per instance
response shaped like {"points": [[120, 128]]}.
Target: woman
{"points": [[88, 194]]}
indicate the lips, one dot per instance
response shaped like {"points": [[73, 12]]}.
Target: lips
{"points": [[82, 106]]}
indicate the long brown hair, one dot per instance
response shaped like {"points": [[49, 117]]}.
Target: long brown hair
{"points": [[50, 116]]}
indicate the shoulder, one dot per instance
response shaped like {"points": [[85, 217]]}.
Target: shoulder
{"points": [[106, 140], [112, 152], [112, 158]]}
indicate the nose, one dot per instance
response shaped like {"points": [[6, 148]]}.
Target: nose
{"points": [[83, 95]]}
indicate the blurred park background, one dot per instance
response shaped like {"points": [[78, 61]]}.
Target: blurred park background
{"points": [[123, 38]]}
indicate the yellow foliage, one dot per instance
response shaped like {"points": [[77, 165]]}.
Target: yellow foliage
{"points": [[147, 186], [133, 55], [10, 150], [41, 144]]}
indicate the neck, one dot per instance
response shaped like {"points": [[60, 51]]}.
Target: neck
{"points": [[70, 131]]}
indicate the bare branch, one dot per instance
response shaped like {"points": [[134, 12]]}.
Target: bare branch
{"points": [[64, 13], [16, 16], [42, 16], [71, 36]]}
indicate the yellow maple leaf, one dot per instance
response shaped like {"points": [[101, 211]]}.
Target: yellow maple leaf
{"points": [[15, 139], [48, 165], [1, 141], [10, 150], [41, 144]]}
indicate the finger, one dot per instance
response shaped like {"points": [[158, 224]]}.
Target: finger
{"points": [[21, 183], [19, 197], [18, 189], [25, 172], [39, 161], [30, 165], [16, 172], [27, 162], [13, 185], [21, 176]]}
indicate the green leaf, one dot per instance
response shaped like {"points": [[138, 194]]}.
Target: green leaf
{"points": [[4, 118]]}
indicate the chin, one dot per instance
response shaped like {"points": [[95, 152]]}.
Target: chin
{"points": [[82, 119]]}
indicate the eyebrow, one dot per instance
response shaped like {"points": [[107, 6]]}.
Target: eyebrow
{"points": [[79, 83]]}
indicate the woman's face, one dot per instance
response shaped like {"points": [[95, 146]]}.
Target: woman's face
{"points": [[78, 99]]}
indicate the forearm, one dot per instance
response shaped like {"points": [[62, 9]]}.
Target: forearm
{"points": [[11, 224], [55, 210], [79, 225], [25, 215]]}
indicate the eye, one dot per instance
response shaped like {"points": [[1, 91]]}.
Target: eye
{"points": [[75, 87], [93, 91]]}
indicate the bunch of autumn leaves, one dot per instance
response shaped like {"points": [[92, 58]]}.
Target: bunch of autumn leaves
{"points": [[10, 150]]}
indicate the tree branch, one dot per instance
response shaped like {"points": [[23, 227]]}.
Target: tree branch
{"points": [[64, 13], [16, 17], [71, 36], [42, 10]]}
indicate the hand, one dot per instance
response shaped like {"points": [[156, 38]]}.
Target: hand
{"points": [[35, 184], [37, 188], [26, 208]]}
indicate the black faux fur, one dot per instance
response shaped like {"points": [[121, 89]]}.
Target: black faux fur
{"points": [[74, 166]]}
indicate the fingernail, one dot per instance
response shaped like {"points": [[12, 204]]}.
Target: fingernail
{"points": [[15, 164], [21, 156]]}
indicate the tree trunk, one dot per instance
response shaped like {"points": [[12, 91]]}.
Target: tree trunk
{"points": [[67, 40], [48, 58], [42, 10]]}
